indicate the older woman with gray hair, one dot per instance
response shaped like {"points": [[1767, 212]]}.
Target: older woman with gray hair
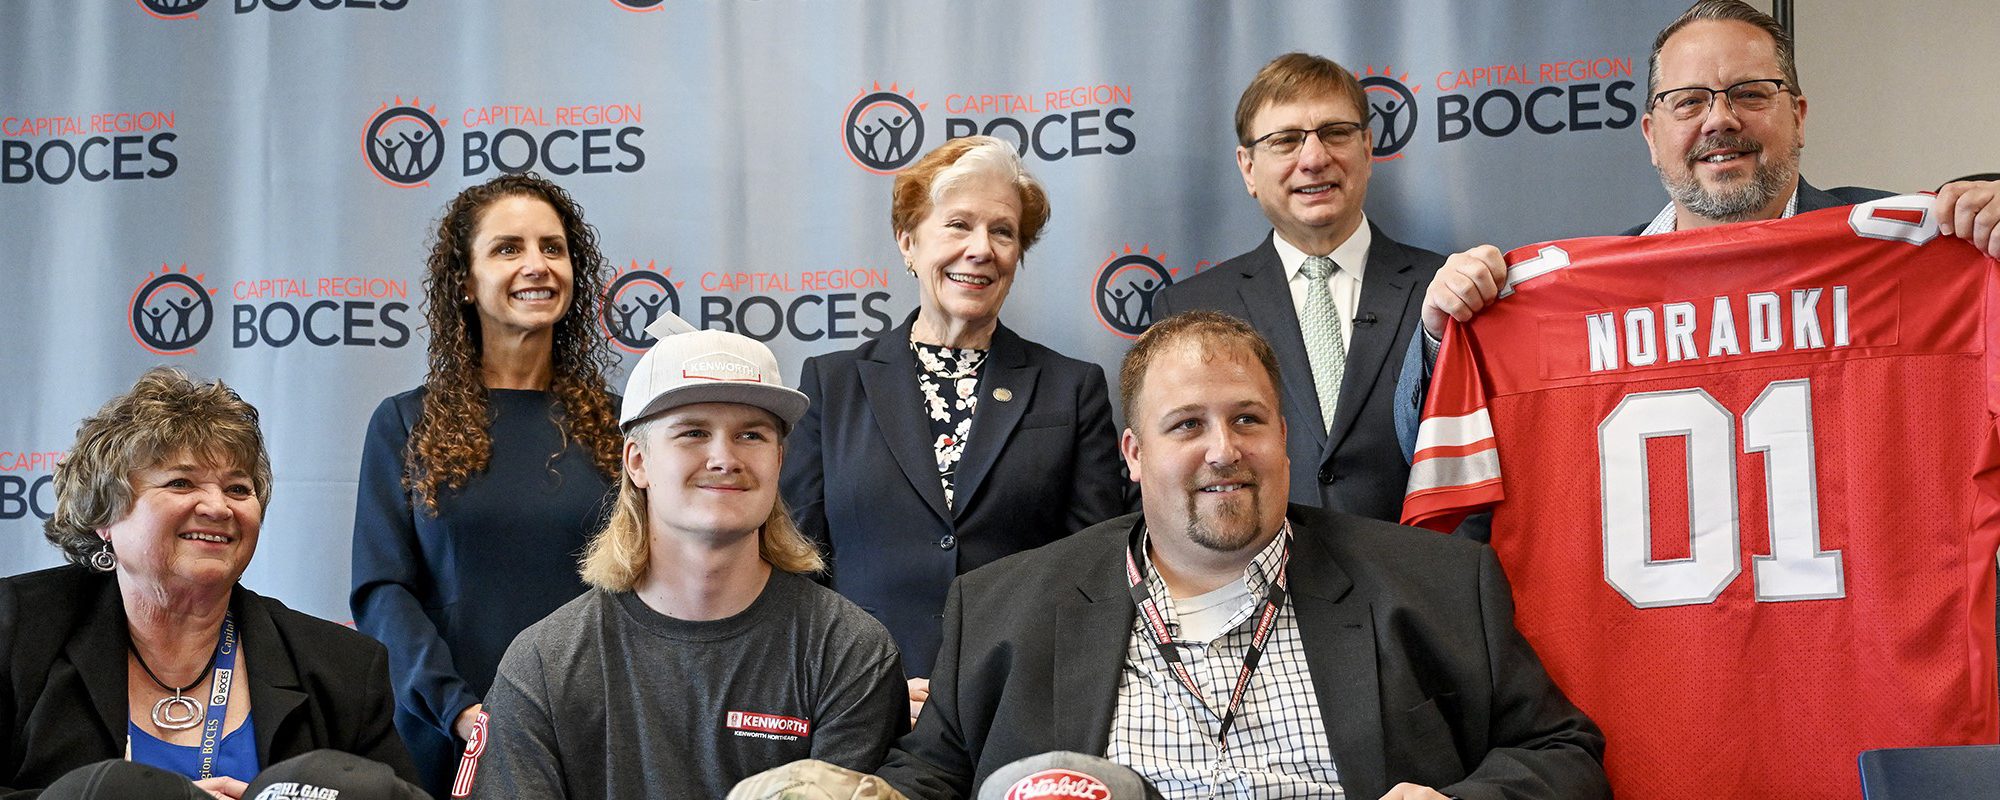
{"points": [[950, 441], [144, 646]]}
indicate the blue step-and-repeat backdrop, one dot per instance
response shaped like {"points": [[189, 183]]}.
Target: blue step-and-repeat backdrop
{"points": [[243, 188]]}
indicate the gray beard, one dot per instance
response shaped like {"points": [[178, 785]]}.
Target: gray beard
{"points": [[1733, 205]]}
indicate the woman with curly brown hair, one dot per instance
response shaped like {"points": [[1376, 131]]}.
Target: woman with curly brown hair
{"points": [[480, 488]]}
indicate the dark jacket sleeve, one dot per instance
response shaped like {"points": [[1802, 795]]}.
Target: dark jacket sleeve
{"points": [[1542, 745], [390, 574], [1413, 382], [803, 480], [934, 762], [9, 704], [49, 721], [1100, 490], [375, 739]]}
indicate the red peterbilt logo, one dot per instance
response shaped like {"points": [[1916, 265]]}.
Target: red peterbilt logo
{"points": [[767, 723], [1059, 784]]}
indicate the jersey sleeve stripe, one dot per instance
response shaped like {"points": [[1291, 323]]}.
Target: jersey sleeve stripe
{"points": [[1454, 471], [1443, 509], [1459, 431], [1452, 452]]}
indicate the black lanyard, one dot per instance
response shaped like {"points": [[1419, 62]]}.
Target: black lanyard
{"points": [[1149, 608]]}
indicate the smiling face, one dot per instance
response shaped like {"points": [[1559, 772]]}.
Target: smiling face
{"points": [[1312, 196], [965, 252], [1726, 165], [521, 279], [1207, 444], [191, 527], [709, 470]]}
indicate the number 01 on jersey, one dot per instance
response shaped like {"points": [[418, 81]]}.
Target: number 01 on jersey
{"points": [[1777, 425]]}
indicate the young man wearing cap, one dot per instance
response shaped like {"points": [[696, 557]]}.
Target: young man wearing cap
{"points": [[703, 654]]}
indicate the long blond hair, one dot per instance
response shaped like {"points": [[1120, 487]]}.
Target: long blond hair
{"points": [[618, 554]]}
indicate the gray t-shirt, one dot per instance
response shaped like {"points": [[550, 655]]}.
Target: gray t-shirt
{"points": [[607, 698]]}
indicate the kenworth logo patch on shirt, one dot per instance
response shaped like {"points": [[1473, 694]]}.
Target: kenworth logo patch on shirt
{"points": [[767, 726]]}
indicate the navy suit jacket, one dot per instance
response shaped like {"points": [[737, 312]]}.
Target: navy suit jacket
{"points": [[1416, 664], [1355, 466], [861, 476], [1413, 379]]}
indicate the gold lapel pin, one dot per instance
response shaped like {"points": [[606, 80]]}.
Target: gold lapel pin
{"points": [[1003, 394]]}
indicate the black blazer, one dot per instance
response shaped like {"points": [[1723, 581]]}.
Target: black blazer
{"points": [[861, 477], [1357, 467], [1410, 639], [313, 684]]}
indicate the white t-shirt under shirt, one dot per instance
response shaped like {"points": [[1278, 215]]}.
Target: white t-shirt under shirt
{"points": [[1202, 617]]}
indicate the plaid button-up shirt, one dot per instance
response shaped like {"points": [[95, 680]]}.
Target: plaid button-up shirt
{"points": [[1277, 748]]}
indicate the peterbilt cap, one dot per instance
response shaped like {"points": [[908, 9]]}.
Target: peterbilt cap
{"points": [[1064, 775], [689, 365]]}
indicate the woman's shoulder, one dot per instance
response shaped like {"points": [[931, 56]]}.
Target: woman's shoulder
{"points": [[402, 405], [840, 360], [53, 589], [397, 413], [1045, 357], [411, 400], [312, 636]]}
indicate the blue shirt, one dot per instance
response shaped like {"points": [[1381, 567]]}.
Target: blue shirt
{"points": [[235, 757]]}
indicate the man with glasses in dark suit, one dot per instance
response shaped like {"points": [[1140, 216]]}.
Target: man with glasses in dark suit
{"points": [[1336, 297]]}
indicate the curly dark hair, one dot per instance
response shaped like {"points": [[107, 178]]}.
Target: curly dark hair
{"points": [[450, 440]]}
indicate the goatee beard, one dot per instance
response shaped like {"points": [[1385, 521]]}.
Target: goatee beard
{"points": [[1228, 529], [1770, 179]]}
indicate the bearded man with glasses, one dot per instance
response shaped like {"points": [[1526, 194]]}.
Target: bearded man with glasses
{"points": [[1336, 297], [1724, 122]]}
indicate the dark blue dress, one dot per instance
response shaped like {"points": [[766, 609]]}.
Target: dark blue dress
{"points": [[447, 593]]}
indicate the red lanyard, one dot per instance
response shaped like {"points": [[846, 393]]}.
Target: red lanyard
{"points": [[1142, 594]]}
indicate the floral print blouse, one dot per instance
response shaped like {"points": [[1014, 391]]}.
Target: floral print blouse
{"points": [[949, 383]]}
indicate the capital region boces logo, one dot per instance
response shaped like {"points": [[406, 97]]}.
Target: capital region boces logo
{"points": [[634, 300], [171, 311], [1127, 283], [884, 129], [172, 9], [1392, 111], [179, 10], [403, 143]]}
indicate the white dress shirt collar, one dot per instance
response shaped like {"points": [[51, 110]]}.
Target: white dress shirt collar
{"points": [[1351, 256], [1663, 222]]}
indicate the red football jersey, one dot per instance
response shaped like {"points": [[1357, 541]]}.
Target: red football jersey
{"points": [[1751, 493]]}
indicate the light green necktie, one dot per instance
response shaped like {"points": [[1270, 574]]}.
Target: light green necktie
{"points": [[1326, 349]]}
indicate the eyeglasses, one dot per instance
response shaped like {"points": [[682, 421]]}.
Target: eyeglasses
{"points": [[1693, 101], [1332, 135]]}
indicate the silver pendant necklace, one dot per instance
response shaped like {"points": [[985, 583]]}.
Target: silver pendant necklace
{"points": [[179, 712]]}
